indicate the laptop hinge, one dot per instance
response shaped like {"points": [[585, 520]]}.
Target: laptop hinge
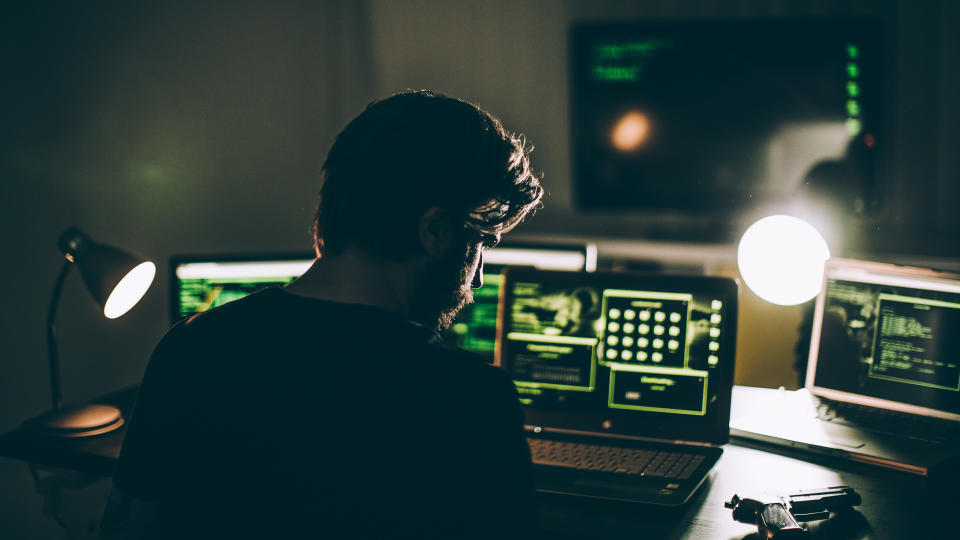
{"points": [[617, 436]]}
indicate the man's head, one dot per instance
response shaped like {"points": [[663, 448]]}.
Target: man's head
{"points": [[423, 176]]}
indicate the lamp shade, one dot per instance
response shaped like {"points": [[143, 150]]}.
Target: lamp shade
{"points": [[115, 278]]}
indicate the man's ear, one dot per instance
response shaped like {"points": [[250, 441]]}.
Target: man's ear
{"points": [[437, 230]]}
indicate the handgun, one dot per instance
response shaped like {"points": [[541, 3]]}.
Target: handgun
{"points": [[776, 515]]}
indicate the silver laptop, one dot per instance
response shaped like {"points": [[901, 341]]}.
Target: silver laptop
{"points": [[883, 376], [625, 379]]}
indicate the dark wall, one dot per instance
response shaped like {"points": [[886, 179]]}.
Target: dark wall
{"points": [[177, 127]]}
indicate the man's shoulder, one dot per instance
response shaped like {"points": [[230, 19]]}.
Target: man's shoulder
{"points": [[272, 316], [465, 360], [259, 302], [223, 327], [473, 375], [276, 313]]}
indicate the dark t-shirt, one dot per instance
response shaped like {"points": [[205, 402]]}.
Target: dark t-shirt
{"points": [[282, 415]]}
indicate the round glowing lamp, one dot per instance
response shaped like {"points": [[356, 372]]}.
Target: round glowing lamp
{"points": [[630, 132], [117, 280], [781, 259]]}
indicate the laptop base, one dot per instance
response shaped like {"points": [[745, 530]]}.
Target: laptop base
{"points": [[655, 486], [789, 419]]}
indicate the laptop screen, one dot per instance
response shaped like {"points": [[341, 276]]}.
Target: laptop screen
{"points": [[888, 336], [621, 354], [199, 283], [475, 328]]}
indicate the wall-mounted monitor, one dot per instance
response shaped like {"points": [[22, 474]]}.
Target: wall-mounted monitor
{"points": [[708, 119]]}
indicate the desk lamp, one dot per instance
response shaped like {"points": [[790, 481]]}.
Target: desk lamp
{"points": [[117, 280]]}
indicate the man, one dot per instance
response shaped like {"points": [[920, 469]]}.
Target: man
{"points": [[330, 408]]}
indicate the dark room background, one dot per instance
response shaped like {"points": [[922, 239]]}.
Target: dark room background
{"points": [[195, 127]]}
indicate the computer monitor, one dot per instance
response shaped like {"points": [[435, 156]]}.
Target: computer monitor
{"points": [[198, 283], [707, 119], [475, 328]]}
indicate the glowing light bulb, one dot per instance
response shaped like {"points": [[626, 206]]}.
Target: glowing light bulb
{"points": [[630, 132], [781, 259], [129, 290]]}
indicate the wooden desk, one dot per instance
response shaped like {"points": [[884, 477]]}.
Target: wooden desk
{"points": [[895, 505]]}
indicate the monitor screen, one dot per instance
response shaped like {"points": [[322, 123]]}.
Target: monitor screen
{"points": [[889, 335], [475, 327], [629, 353], [200, 283], [710, 118]]}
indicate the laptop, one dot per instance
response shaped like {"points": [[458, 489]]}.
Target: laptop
{"points": [[475, 328], [625, 379], [883, 376], [201, 282]]}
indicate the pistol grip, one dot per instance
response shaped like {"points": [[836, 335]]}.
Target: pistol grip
{"points": [[775, 521]]}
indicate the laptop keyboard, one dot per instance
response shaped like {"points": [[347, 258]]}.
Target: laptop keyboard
{"points": [[613, 459], [887, 422]]}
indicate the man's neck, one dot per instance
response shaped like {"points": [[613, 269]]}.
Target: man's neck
{"points": [[355, 278]]}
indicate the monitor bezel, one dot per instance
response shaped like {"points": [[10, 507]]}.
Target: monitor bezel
{"points": [[587, 249]]}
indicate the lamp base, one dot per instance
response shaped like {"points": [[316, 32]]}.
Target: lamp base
{"points": [[74, 422]]}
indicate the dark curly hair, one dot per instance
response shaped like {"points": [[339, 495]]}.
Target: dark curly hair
{"points": [[412, 151]]}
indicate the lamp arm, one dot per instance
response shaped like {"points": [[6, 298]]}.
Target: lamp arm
{"points": [[52, 350]]}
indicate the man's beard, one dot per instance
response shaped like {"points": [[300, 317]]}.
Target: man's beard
{"points": [[446, 287]]}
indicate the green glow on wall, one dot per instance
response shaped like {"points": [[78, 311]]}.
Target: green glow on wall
{"points": [[853, 70], [853, 51], [853, 89]]}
